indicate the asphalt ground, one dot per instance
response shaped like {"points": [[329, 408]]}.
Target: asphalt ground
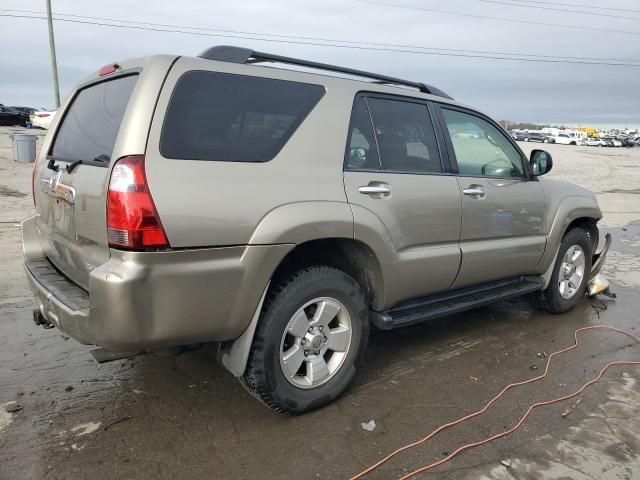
{"points": [[186, 417]]}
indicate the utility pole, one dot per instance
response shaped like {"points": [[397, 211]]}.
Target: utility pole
{"points": [[54, 62]]}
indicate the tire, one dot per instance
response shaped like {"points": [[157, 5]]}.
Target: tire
{"points": [[552, 299], [283, 313], [573, 143], [526, 139], [546, 140]]}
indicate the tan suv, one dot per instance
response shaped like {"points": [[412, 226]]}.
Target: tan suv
{"points": [[280, 212]]}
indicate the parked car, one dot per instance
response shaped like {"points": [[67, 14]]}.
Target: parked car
{"points": [[566, 139], [215, 201], [532, 137], [42, 119], [627, 142], [10, 116], [616, 142], [593, 142], [26, 110]]}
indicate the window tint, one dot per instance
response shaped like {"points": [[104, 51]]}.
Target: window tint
{"points": [[234, 118], [90, 125], [405, 135], [481, 149], [362, 152]]}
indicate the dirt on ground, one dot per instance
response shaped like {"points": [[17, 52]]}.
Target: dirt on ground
{"points": [[63, 416]]}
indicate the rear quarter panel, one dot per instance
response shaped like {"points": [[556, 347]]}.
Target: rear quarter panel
{"points": [[217, 203]]}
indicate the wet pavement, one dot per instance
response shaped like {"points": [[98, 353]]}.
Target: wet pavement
{"points": [[185, 417]]}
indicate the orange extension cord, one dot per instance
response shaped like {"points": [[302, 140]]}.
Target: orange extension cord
{"points": [[494, 399]]}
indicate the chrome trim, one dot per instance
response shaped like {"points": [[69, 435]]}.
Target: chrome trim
{"points": [[59, 190], [374, 190]]}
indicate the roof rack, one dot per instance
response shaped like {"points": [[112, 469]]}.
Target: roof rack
{"points": [[226, 53]]}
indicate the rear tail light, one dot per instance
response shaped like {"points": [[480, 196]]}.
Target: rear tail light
{"points": [[43, 115], [132, 219]]}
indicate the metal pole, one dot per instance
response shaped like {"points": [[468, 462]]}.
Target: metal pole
{"points": [[54, 63]]}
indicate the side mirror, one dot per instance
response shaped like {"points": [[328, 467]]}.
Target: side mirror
{"points": [[541, 162]]}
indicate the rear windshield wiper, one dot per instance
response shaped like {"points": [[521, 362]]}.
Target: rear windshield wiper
{"points": [[101, 160], [52, 165]]}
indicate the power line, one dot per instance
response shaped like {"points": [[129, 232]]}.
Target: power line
{"points": [[539, 7], [334, 40], [501, 19], [333, 45], [581, 5]]}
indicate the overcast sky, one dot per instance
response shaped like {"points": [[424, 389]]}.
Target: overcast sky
{"points": [[521, 91]]}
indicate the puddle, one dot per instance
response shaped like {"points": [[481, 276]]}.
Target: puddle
{"points": [[600, 446]]}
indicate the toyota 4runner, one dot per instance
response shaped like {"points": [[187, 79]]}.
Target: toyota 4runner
{"points": [[282, 212]]}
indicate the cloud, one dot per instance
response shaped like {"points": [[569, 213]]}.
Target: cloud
{"points": [[521, 91]]}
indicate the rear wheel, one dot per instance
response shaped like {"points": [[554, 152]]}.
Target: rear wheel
{"points": [[570, 274], [311, 335], [526, 139]]}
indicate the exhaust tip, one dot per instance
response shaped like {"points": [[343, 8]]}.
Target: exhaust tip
{"points": [[39, 319]]}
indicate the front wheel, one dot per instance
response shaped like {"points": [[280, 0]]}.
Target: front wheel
{"points": [[311, 335], [570, 274], [526, 139]]}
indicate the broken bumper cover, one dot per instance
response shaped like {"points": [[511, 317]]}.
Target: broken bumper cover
{"points": [[598, 282], [148, 300]]}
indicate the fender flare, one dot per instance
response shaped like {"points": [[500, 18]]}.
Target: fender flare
{"points": [[570, 209], [293, 223]]}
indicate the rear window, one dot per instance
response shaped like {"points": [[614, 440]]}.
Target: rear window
{"points": [[90, 125], [234, 118]]}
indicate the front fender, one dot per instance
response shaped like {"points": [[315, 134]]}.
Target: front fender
{"points": [[567, 210]]}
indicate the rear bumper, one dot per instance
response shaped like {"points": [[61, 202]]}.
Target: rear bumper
{"points": [[145, 300]]}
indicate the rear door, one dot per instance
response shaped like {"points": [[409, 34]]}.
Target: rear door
{"points": [[503, 210], [394, 170], [71, 206]]}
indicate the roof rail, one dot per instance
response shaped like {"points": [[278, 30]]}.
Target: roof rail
{"points": [[226, 53]]}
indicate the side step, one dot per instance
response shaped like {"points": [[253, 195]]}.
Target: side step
{"points": [[440, 305]]}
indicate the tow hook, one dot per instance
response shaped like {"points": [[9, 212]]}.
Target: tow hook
{"points": [[39, 319], [598, 284]]}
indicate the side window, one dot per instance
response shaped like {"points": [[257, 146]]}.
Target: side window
{"points": [[405, 136], [362, 152], [481, 149], [234, 118]]}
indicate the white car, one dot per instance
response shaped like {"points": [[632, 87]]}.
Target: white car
{"points": [[43, 119], [566, 139], [616, 143], [593, 142]]}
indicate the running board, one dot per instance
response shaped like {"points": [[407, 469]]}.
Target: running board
{"points": [[440, 305]]}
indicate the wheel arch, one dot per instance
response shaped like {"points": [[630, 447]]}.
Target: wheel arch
{"points": [[354, 257], [573, 212], [351, 256]]}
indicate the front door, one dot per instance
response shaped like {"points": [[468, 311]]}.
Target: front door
{"points": [[503, 223], [398, 190]]}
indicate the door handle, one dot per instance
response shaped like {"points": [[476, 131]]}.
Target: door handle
{"points": [[474, 191], [381, 190]]}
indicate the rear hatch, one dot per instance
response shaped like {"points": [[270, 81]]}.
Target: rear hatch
{"points": [[70, 182]]}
